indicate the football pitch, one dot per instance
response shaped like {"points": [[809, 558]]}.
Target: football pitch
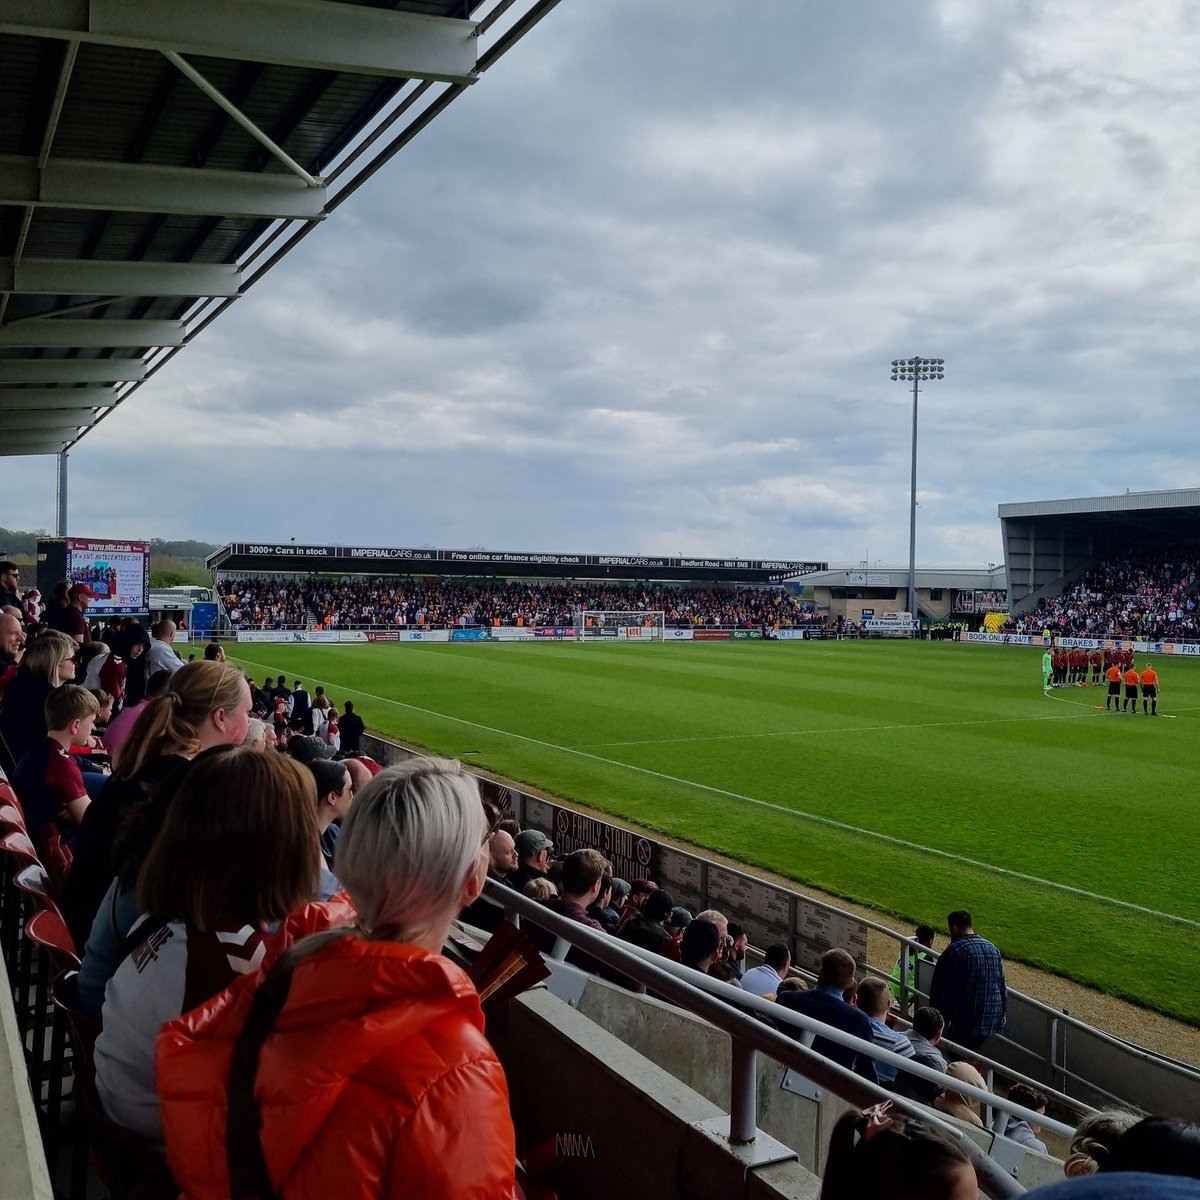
{"points": [[912, 777]]}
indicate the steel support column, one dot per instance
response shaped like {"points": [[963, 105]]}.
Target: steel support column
{"points": [[60, 522]]}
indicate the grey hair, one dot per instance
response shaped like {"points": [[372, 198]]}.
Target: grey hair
{"points": [[255, 732], [1094, 1139], [713, 917], [408, 844]]}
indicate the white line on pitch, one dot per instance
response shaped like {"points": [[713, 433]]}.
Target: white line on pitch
{"points": [[829, 822], [736, 737]]}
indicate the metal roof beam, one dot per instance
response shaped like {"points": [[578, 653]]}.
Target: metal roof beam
{"points": [[312, 34], [91, 277], [71, 370], [64, 423], [136, 187], [40, 445], [100, 335], [43, 399]]}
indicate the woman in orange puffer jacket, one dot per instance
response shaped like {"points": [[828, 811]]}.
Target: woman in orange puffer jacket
{"points": [[375, 1079]]}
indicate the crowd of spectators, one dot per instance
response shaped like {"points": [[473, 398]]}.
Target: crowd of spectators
{"points": [[1147, 596], [257, 603], [352, 603], [246, 887]]}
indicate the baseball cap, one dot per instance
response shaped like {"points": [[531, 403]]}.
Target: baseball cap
{"points": [[531, 841], [81, 589], [680, 918], [306, 749]]}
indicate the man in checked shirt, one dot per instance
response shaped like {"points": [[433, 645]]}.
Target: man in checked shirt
{"points": [[968, 985]]}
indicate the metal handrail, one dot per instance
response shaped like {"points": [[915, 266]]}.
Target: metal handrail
{"points": [[992, 1065], [903, 940], [1138, 1052], [725, 1006]]}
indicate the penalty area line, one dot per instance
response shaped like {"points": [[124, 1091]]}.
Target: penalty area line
{"points": [[828, 822]]}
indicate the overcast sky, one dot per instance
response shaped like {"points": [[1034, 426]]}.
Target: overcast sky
{"points": [[639, 290]]}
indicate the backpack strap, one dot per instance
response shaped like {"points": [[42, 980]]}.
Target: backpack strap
{"points": [[248, 1175]]}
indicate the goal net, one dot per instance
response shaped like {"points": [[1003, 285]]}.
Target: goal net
{"points": [[592, 625]]}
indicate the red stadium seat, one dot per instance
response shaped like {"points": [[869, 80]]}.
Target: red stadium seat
{"points": [[21, 849], [8, 796], [47, 929]]}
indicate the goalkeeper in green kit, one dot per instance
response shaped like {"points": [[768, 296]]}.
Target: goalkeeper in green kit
{"points": [[1047, 671]]}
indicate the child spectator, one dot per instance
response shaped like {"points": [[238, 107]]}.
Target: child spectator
{"points": [[1017, 1128], [48, 779]]}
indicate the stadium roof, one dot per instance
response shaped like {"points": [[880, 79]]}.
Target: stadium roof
{"points": [[1050, 543], [158, 157], [965, 578], [426, 560], [1182, 504]]}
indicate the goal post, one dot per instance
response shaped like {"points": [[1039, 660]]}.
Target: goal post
{"points": [[619, 624]]}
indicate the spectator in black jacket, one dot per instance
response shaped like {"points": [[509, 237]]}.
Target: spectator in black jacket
{"points": [[352, 729], [301, 709], [533, 858], [648, 929]]}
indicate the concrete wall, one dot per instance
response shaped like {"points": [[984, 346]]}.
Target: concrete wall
{"points": [[603, 1121], [23, 1171], [698, 1054]]}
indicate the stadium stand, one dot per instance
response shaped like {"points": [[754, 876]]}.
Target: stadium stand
{"points": [[1149, 595], [276, 603]]}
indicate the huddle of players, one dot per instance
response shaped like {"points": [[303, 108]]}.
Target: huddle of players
{"points": [[1069, 668]]}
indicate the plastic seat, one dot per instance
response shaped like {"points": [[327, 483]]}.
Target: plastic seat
{"points": [[17, 852], [18, 845], [32, 984], [12, 820], [47, 929], [33, 880], [8, 796]]}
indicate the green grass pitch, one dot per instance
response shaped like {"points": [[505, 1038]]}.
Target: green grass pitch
{"points": [[912, 777]]}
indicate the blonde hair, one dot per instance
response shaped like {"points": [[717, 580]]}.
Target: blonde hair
{"points": [[540, 889], [170, 723], [408, 844], [45, 654], [1094, 1139], [69, 703]]}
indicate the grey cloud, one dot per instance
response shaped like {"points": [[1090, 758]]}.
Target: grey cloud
{"points": [[639, 289]]}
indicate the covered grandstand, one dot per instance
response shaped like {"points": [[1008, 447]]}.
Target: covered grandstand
{"points": [[1049, 544]]}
